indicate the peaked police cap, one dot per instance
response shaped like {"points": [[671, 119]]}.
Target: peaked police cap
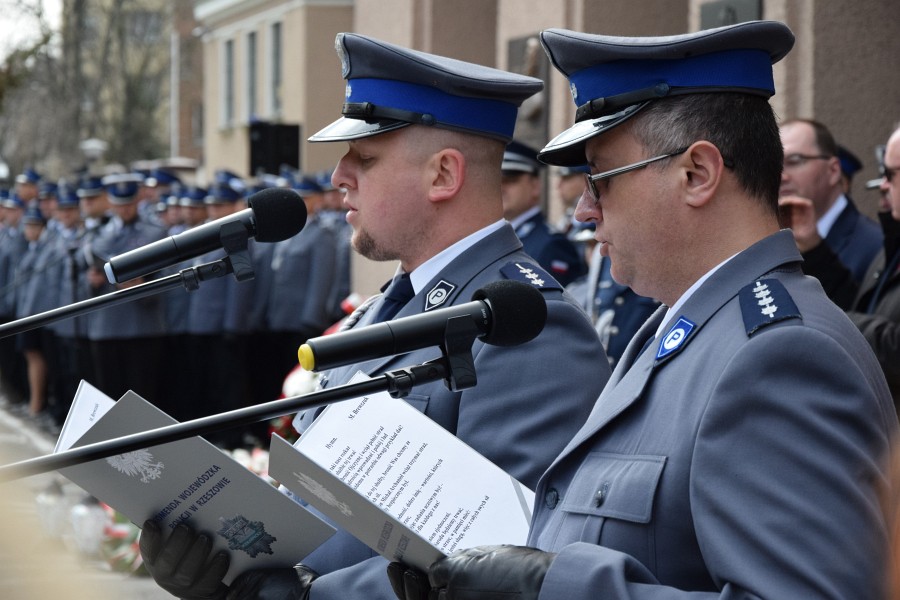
{"points": [[612, 78], [389, 87]]}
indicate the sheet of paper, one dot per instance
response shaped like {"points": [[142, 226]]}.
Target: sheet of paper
{"points": [[93, 404], [191, 481], [401, 483]]}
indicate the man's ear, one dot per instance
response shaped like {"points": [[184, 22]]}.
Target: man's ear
{"points": [[704, 168], [446, 174]]}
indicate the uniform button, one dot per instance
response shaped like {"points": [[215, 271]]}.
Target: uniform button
{"points": [[600, 496], [619, 301], [551, 498]]}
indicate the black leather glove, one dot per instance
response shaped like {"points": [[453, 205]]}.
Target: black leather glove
{"points": [[181, 564], [273, 584], [480, 573], [409, 583]]}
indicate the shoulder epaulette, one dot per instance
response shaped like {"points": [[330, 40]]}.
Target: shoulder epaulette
{"points": [[530, 273], [765, 302]]}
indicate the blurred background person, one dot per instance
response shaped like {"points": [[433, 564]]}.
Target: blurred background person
{"points": [[521, 189]]}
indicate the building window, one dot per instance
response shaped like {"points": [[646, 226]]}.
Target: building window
{"points": [[228, 83], [252, 83], [276, 81]]}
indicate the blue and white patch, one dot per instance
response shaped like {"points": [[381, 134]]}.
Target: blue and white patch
{"points": [[765, 302], [438, 295], [530, 273], [675, 338]]}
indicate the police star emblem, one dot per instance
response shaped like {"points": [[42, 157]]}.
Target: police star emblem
{"points": [[246, 535]]}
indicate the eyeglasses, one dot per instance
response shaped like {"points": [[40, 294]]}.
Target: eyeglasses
{"points": [[889, 174], [793, 161], [593, 179]]}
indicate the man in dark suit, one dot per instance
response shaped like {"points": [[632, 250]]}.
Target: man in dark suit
{"points": [[426, 136], [813, 176], [737, 450]]}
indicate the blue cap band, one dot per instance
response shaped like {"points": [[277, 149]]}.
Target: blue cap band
{"points": [[475, 114], [743, 69]]}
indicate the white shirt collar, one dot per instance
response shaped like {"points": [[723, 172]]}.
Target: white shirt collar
{"points": [[824, 224], [434, 265], [673, 310], [517, 221]]}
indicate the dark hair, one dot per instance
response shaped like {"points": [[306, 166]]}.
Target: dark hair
{"points": [[742, 126], [824, 139]]}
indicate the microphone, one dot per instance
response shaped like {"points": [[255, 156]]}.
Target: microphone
{"points": [[275, 214], [506, 313]]}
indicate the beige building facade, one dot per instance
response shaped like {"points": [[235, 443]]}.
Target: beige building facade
{"points": [[842, 70]]}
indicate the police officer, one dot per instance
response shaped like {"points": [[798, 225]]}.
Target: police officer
{"points": [[33, 295], [521, 192], [12, 247], [67, 367], [303, 271], [126, 339], [425, 139], [711, 466]]}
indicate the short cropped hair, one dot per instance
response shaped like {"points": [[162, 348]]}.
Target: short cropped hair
{"points": [[742, 126]]}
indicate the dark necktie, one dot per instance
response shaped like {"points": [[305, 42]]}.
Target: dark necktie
{"points": [[398, 292]]}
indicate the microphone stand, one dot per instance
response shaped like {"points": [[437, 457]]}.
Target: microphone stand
{"points": [[456, 367], [237, 261]]}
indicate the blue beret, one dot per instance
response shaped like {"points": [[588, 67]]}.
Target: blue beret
{"points": [[612, 78], [520, 158], [849, 163], [389, 87], [28, 176], [122, 187], [223, 193], [89, 187], [193, 196], [33, 215]]}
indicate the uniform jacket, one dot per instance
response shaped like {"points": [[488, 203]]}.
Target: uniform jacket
{"points": [[551, 249], [615, 310], [303, 269], [738, 457], [529, 400], [135, 319], [12, 247], [856, 240], [878, 321]]}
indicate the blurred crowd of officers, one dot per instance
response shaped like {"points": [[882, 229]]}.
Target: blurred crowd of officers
{"points": [[227, 344], [222, 346]]}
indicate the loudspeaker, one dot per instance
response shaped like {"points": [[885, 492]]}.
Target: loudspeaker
{"points": [[273, 145]]}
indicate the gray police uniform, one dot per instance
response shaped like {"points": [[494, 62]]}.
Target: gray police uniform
{"points": [[633, 501], [126, 339], [529, 399], [528, 402], [739, 454]]}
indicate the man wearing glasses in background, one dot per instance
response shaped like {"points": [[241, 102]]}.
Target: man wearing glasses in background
{"points": [[812, 182], [873, 303]]}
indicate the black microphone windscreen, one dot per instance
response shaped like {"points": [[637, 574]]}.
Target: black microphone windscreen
{"points": [[518, 312], [279, 214]]}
